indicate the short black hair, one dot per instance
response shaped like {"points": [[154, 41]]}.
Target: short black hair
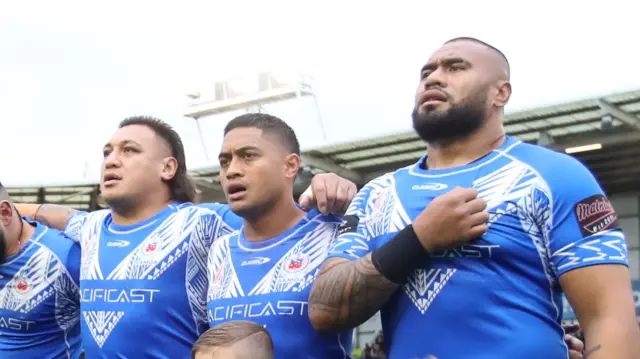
{"points": [[269, 125], [181, 186], [495, 49]]}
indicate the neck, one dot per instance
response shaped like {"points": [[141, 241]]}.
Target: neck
{"points": [[138, 211], [278, 219], [468, 149], [25, 232]]}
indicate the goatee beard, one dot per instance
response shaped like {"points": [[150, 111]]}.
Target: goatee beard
{"points": [[447, 126]]}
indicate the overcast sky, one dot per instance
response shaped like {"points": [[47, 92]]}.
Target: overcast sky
{"points": [[70, 70]]}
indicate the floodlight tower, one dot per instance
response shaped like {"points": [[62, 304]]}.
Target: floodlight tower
{"points": [[250, 93]]}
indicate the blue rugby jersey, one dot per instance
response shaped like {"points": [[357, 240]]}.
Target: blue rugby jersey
{"points": [[40, 298], [268, 282], [497, 296], [143, 286]]}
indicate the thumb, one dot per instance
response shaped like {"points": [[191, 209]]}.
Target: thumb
{"points": [[307, 199]]}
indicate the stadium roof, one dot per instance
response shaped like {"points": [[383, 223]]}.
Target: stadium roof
{"points": [[610, 121], [569, 125]]}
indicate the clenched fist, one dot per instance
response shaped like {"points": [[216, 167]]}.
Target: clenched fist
{"points": [[451, 219]]}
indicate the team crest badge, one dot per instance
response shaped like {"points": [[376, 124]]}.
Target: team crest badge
{"points": [[23, 285], [296, 263], [151, 247]]}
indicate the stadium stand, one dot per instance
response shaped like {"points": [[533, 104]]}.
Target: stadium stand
{"points": [[610, 121]]}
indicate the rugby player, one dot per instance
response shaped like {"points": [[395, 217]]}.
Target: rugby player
{"points": [[39, 293], [467, 252], [143, 269], [264, 271], [237, 339]]}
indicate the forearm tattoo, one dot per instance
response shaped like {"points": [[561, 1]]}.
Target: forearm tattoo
{"points": [[349, 293]]}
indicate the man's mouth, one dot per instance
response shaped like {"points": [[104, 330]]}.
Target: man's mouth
{"points": [[110, 179], [432, 97], [236, 191]]}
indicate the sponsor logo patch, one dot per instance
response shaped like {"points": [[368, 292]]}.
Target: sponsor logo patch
{"points": [[595, 214]]}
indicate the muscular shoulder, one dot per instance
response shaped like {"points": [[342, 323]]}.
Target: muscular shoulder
{"points": [[560, 173]]}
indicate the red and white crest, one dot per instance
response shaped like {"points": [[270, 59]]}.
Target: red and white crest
{"points": [[296, 263], [151, 247], [23, 285]]}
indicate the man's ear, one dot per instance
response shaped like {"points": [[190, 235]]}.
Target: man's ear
{"points": [[503, 95], [169, 168], [292, 165], [6, 213]]}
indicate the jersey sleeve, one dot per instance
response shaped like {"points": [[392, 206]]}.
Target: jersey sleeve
{"points": [[582, 229], [74, 226], [209, 228], [354, 239], [232, 220], [73, 262], [67, 306]]}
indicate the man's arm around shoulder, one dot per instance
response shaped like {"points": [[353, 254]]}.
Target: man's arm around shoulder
{"points": [[51, 215]]}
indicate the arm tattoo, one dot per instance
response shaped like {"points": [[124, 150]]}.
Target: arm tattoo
{"points": [[590, 351], [348, 293], [53, 215]]}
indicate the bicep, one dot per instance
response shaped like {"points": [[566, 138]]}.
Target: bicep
{"points": [[599, 291]]}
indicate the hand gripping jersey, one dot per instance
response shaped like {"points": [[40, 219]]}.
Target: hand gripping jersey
{"points": [[497, 296], [143, 287], [269, 282], [40, 299]]}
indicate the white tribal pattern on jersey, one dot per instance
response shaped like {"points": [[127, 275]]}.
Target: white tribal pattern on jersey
{"points": [[143, 287], [497, 296], [39, 299], [268, 282]]}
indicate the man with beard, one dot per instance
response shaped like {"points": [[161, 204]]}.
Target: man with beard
{"points": [[466, 253], [39, 294], [263, 272], [143, 268]]}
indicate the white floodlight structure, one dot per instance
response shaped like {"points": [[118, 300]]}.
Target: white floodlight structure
{"points": [[250, 93], [246, 92]]}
